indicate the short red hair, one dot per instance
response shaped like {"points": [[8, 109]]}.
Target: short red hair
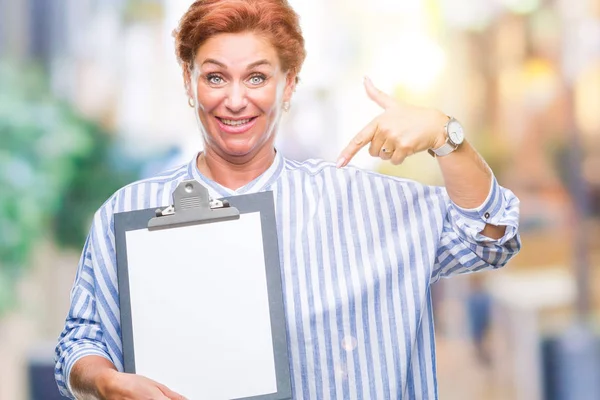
{"points": [[275, 19]]}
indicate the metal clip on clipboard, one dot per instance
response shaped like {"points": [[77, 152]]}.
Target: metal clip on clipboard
{"points": [[192, 205]]}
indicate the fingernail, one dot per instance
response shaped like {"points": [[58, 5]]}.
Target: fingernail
{"points": [[340, 162]]}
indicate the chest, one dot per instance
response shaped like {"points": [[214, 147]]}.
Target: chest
{"points": [[339, 251]]}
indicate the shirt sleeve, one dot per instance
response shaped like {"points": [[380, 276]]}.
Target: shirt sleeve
{"points": [[463, 248], [82, 335]]}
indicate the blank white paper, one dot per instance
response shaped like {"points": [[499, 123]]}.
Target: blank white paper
{"points": [[200, 309]]}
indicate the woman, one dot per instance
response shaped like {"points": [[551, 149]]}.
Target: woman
{"points": [[359, 250]]}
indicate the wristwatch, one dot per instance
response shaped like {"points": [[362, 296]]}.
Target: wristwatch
{"points": [[455, 135]]}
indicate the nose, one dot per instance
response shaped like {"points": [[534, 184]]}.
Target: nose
{"points": [[236, 99]]}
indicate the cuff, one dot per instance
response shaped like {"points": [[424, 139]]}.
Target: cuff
{"points": [[75, 355], [494, 210]]}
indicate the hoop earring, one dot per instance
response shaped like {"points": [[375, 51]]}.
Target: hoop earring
{"points": [[191, 102], [286, 106]]}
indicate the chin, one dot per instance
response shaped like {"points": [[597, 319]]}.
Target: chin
{"points": [[238, 148], [237, 152]]}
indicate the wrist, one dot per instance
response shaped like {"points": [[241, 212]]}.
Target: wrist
{"points": [[440, 135]]}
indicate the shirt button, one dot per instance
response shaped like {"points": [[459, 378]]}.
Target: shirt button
{"points": [[487, 215]]}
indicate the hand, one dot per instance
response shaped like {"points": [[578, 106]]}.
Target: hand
{"points": [[121, 386], [400, 131]]}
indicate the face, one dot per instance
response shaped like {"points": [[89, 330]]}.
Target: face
{"points": [[238, 89]]}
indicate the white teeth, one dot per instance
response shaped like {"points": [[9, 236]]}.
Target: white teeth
{"points": [[235, 123]]}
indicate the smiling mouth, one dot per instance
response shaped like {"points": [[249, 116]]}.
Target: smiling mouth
{"points": [[235, 122]]}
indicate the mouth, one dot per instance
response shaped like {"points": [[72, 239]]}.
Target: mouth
{"points": [[238, 125]]}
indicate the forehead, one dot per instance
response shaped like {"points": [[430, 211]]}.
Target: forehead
{"points": [[237, 49]]}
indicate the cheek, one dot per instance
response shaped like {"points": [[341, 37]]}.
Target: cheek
{"points": [[267, 100], [208, 101]]}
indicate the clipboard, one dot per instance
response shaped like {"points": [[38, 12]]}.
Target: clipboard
{"points": [[201, 296]]}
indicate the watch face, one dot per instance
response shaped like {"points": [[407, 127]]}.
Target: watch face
{"points": [[455, 132]]}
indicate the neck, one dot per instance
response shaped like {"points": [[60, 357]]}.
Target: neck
{"points": [[236, 173]]}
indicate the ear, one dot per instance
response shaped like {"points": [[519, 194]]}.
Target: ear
{"points": [[290, 86], [187, 80]]}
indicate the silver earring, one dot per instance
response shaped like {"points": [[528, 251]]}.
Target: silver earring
{"points": [[191, 102], [286, 106]]}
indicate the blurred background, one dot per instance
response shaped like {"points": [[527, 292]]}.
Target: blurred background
{"points": [[91, 98]]}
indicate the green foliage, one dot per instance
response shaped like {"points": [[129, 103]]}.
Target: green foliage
{"points": [[99, 174], [55, 170]]}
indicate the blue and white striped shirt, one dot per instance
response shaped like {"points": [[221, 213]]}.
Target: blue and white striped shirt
{"points": [[359, 252]]}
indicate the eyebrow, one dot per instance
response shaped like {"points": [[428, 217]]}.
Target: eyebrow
{"points": [[250, 66], [258, 63]]}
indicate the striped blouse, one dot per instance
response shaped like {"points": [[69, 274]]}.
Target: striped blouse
{"points": [[359, 252]]}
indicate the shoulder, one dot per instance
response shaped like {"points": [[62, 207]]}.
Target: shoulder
{"points": [[349, 175], [145, 193]]}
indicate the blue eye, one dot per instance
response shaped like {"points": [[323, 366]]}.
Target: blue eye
{"points": [[214, 79], [257, 79]]}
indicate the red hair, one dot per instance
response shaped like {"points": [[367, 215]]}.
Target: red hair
{"points": [[275, 19]]}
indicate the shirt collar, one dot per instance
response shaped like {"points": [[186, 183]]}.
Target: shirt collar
{"points": [[259, 184]]}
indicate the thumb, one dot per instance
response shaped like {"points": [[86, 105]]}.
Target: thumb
{"points": [[171, 395], [384, 100]]}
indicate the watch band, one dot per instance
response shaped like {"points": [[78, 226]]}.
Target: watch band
{"points": [[443, 150], [448, 147]]}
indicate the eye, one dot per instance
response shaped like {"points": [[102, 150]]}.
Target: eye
{"points": [[257, 79], [214, 79]]}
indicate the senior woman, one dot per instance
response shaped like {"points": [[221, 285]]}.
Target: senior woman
{"points": [[359, 251]]}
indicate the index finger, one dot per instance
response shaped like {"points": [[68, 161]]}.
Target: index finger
{"points": [[358, 142]]}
